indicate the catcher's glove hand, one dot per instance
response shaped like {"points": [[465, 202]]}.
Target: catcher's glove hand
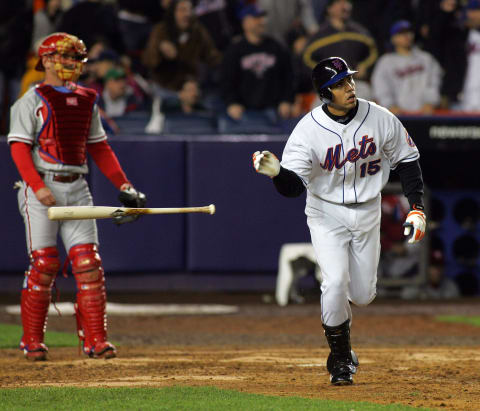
{"points": [[415, 224], [266, 163], [130, 197]]}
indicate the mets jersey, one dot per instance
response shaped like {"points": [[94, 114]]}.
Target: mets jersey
{"points": [[347, 163]]}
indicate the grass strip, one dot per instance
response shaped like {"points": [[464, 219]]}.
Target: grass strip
{"points": [[169, 398], [461, 319], [10, 335]]}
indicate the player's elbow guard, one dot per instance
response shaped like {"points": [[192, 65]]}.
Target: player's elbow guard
{"points": [[288, 183]]}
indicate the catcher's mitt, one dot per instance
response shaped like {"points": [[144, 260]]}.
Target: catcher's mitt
{"points": [[130, 198]]}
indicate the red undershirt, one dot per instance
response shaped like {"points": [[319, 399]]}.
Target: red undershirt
{"points": [[101, 152]]}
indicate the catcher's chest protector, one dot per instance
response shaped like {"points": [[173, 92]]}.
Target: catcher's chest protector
{"points": [[67, 119]]}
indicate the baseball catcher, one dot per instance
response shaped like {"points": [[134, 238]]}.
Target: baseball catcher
{"points": [[53, 127]]}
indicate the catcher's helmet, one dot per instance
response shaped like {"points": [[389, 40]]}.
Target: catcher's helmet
{"points": [[61, 44], [328, 72]]}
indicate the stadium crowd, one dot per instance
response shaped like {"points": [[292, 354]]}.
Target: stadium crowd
{"points": [[240, 66]]}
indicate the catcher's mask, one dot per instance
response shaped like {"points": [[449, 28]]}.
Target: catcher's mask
{"points": [[328, 72], [68, 53]]}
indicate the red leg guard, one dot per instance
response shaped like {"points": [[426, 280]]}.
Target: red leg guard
{"points": [[91, 301], [36, 295]]}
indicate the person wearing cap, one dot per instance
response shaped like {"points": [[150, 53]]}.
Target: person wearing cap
{"points": [[407, 79], [117, 97], [256, 75], [97, 67]]}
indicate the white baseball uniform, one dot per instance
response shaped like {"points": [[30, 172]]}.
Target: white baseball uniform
{"points": [[344, 168], [27, 120]]}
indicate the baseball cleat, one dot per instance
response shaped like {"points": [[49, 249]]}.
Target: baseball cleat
{"points": [[35, 351], [103, 350], [343, 379], [341, 370]]}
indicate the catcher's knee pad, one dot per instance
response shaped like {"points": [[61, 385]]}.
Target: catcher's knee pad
{"points": [[91, 298], [86, 267], [36, 295]]}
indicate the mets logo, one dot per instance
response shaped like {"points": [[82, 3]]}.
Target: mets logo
{"points": [[338, 64], [367, 148], [409, 139]]}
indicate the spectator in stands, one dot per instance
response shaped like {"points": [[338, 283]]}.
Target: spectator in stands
{"points": [[444, 36], [385, 12], [340, 36], [16, 25], [117, 97], [92, 20], [219, 19], [188, 101], [31, 77], [136, 19], [407, 79], [286, 15], [177, 47], [437, 285], [176, 50], [471, 88], [45, 22], [256, 77], [97, 68], [305, 96]]}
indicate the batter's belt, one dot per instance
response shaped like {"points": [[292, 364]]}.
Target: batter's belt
{"points": [[61, 178]]}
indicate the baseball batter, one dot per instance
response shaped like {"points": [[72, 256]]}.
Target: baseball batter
{"points": [[342, 153], [53, 126]]}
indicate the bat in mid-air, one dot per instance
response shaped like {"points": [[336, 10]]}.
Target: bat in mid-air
{"points": [[95, 212]]}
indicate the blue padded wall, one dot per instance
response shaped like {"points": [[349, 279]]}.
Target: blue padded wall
{"points": [[457, 231], [252, 219], [13, 255], [153, 242]]}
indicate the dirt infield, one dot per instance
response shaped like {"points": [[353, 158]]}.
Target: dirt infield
{"points": [[405, 356]]}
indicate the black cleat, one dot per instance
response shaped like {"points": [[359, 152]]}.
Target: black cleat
{"points": [[342, 361], [341, 370]]}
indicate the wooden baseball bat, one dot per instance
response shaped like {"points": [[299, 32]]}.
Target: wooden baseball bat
{"points": [[94, 212]]}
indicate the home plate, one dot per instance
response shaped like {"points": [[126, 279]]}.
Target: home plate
{"points": [[142, 309]]}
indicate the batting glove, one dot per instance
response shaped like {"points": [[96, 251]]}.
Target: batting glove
{"points": [[415, 225], [266, 163]]}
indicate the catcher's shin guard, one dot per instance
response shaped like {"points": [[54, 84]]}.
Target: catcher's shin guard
{"points": [[90, 308], [35, 301], [342, 361]]}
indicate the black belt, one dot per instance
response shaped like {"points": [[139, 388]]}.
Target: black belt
{"points": [[63, 178]]}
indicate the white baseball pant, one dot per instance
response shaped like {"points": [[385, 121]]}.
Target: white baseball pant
{"points": [[346, 239]]}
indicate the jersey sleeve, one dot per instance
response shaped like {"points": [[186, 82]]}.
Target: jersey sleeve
{"points": [[399, 146], [22, 121], [296, 157], [97, 132]]}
